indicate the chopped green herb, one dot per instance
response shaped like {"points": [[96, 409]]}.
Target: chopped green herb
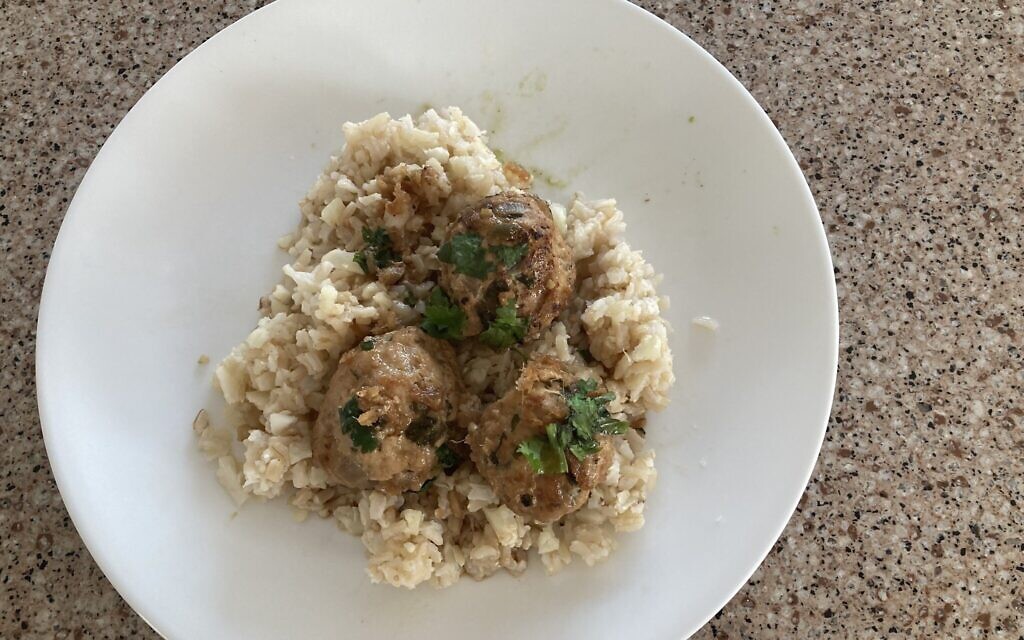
{"points": [[582, 449], [465, 251], [588, 415], [584, 387], [361, 435], [447, 458], [558, 437], [366, 345], [506, 329], [360, 259], [542, 455], [380, 242], [378, 249], [441, 318], [588, 418], [510, 255], [533, 450]]}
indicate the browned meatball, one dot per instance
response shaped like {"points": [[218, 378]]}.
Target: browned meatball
{"points": [[523, 415], [389, 407], [505, 251]]}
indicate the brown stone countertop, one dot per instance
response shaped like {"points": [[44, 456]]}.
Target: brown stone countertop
{"points": [[908, 120]]}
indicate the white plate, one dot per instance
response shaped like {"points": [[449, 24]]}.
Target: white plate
{"points": [[171, 237]]}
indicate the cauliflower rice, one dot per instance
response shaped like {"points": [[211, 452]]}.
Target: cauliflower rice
{"points": [[413, 176]]}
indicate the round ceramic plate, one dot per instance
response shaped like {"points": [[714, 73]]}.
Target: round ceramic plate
{"points": [[171, 238]]}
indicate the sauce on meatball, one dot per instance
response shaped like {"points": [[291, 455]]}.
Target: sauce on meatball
{"points": [[524, 415], [389, 408], [504, 263]]}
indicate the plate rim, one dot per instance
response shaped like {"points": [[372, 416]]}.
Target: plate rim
{"points": [[47, 313]]}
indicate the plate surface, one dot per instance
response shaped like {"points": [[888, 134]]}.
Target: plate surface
{"points": [[170, 241]]}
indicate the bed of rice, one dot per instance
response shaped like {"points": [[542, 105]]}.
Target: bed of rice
{"points": [[412, 176]]}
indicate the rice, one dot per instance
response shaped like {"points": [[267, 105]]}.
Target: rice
{"points": [[412, 177]]}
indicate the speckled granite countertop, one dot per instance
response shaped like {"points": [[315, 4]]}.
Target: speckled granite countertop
{"points": [[908, 120]]}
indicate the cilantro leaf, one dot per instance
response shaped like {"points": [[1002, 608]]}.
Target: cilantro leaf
{"points": [[510, 255], [588, 415], [542, 454], [588, 418], [379, 242], [378, 249], [465, 251], [558, 439], [533, 450], [506, 329], [362, 436], [606, 424], [582, 449], [366, 345], [584, 386], [360, 259], [441, 318]]}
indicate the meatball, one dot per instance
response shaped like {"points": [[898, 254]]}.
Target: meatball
{"points": [[389, 407], [523, 415], [504, 251]]}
